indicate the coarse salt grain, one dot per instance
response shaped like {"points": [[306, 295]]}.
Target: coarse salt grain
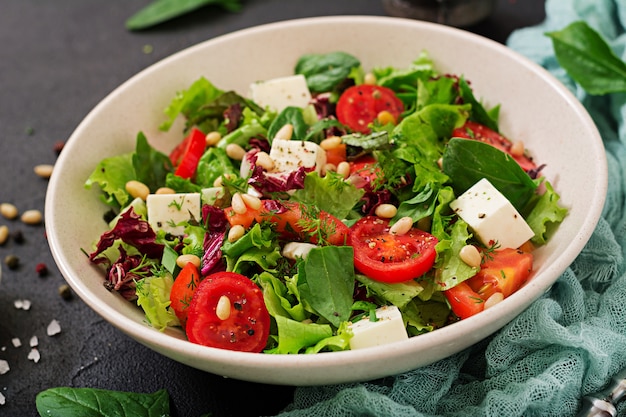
{"points": [[22, 304], [34, 341], [34, 355], [53, 328], [4, 367], [16, 342], [2, 399]]}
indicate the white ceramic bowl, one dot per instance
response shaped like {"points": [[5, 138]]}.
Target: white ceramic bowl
{"points": [[536, 108]]}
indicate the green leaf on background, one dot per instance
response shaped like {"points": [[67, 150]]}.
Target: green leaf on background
{"points": [[588, 59], [64, 401], [160, 11]]}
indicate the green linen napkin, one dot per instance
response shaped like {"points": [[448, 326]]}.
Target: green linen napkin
{"points": [[567, 344]]}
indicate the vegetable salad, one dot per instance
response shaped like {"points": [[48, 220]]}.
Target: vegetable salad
{"points": [[331, 209]]}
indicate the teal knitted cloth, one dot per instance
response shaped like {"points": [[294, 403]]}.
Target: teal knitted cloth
{"points": [[567, 344]]}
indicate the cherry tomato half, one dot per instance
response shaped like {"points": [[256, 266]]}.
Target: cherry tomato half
{"points": [[182, 291], [476, 131], [187, 154], [359, 105], [503, 271], [388, 257], [242, 322], [289, 219]]}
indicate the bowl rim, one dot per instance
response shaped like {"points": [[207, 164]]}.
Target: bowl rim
{"points": [[180, 350]]}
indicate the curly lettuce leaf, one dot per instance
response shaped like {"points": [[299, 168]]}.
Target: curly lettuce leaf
{"points": [[546, 215], [153, 296]]}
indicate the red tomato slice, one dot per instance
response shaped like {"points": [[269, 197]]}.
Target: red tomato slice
{"points": [[288, 218], [367, 168], [502, 271], [336, 155], [359, 106], [388, 257], [464, 301], [187, 154], [247, 325], [182, 291], [476, 131]]}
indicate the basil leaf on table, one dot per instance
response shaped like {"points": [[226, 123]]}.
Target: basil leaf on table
{"points": [[67, 402], [588, 59], [160, 11], [467, 161]]}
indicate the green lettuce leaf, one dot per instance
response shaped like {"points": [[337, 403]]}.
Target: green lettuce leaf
{"points": [[546, 215], [154, 298]]}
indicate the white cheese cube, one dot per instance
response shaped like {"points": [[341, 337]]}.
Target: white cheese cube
{"points": [[279, 93], [388, 328], [289, 155], [167, 211], [491, 216]]}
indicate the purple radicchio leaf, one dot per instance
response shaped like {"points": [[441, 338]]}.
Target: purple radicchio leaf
{"points": [[373, 199], [134, 231], [123, 273], [266, 183], [216, 222]]}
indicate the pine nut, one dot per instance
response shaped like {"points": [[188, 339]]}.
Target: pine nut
{"points": [[212, 138], [285, 132], [165, 190], [495, 298], [343, 169], [251, 201], [402, 226], [235, 151], [237, 204], [4, 234], [264, 161], [235, 233], [369, 79], [137, 189], [43, 170], [9, 211], [440, 163], [222, 309], [183, 260], [471, 256], [386, 211], [330, 143], [517, 149], [31, 217]]}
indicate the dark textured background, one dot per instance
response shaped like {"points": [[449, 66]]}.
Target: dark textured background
{"points": [[58, 59]]}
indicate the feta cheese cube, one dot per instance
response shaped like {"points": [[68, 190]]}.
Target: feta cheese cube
{"points": [[289, 155], [491, 216], [387, 329], [279, 93], [167, 211]]}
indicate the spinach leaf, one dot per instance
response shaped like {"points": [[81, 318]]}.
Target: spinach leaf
{"points": [[467, 161], [326, 281], [324, 72], [160, 11], [151, 166], [479, 114], [588, 59], [64, 401], [290, 115]]}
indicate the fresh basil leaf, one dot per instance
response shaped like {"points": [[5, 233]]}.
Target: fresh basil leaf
{"points": [[160, 11], [64, 401], [324, 72], [151, 166], [588, 59], [326, 280], [468, 161]]}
